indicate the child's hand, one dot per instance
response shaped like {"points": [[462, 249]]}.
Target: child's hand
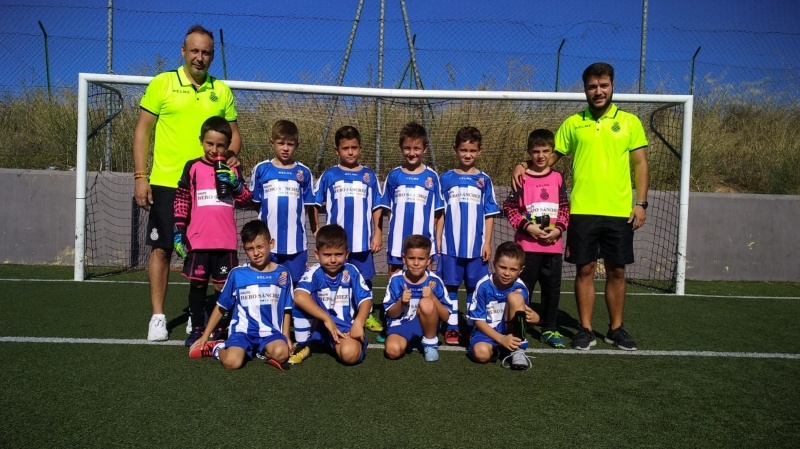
{"points": [[200, 342], [406, 298], [377, 242], [426, 292], [510, 342], [336, 334], [531, 317], [486, 252], [357, 332], [535, 231], [551, 235]]}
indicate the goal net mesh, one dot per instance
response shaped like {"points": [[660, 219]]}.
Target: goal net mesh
{"points": [[115, 227]]}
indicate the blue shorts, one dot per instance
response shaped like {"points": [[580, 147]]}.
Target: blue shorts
{"points": [[454, 270], [479, 337], [410, 330], [364, 262], [295, 263], [323, 337], [252, 345]]}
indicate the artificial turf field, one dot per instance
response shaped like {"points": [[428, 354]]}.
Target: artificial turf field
{"points": [[719, 367]]}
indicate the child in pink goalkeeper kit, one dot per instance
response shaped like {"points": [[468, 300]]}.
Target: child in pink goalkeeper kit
{"points": [[539, 212], [205, 227]]}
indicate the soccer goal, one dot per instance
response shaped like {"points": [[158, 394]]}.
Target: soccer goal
{"points": [[109, 228]]}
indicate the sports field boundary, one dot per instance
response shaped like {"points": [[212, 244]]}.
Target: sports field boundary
{"points": [[373, 346]]}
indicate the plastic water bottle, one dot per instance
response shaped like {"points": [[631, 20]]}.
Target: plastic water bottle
{"points": [[223, 188]]}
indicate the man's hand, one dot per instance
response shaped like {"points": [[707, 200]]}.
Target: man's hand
{"points": [[227, 175], [142, 193], [638, 217], [518, 175], [178, 240]]}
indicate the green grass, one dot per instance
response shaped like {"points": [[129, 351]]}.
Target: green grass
{"points": [[92, 395]]}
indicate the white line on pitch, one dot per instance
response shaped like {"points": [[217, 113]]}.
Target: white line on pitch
{"points": [[690, 295], [652, 353]]}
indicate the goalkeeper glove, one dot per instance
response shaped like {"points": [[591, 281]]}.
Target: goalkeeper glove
{"points": [[177, 241], [226, 175]]}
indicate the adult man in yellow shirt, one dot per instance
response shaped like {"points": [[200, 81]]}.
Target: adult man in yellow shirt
{"points": [[175, 105], [605, 142]]}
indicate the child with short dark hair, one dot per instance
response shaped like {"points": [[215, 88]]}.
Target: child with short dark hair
{"points": [[412, 195], [539, 211], [500, 312], [205, 225], [469, 214], [260, 297], [352, 198], [335, 294], [415, 303]]}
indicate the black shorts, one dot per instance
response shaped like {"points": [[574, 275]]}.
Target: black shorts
{"points": [[162, 218], [215, 263], [592, 237]]}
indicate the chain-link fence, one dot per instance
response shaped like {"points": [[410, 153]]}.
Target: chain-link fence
{"points": [[450, 53], [745, 82]]}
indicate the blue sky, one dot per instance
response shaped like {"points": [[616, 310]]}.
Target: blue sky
{"points": [[461, 44]]}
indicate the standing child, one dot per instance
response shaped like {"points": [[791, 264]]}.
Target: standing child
{"points": [[260, 296], [205, 225], [500, 312], [415, 303], [283, 188], [412, 195], [352, 199], [334, 293], [469, 213], [539, 211]]}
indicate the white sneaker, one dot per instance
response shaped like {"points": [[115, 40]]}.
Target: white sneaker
{"points": [[189, 326], [517, 360], [157, 331]]}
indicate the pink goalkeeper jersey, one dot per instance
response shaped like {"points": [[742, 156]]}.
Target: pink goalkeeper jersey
{"points": [[211, 221], [539, 195]]}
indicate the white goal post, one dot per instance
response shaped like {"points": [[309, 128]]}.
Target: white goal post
{"points": [[423, 101]]}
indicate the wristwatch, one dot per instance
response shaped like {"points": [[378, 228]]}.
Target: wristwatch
{"points": [[643, 204]]}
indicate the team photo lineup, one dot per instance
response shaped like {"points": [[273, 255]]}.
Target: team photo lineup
{"points": [[278, 307]]}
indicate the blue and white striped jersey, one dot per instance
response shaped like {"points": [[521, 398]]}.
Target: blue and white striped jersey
{"points": [[489, 302], [413, 200], [350, 197], [257, 300], [282, 194], [469, 199], [340, 296], [394, 292]]}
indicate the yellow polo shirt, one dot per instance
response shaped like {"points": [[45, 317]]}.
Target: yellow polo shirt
{"points": [[601, 167], [181, 110]]}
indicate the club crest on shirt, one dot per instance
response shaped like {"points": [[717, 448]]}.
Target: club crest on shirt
{"points": [[615, 127], [431, 284], [366, 178], [480, 183], [300, 176], [200, 270], [282, 279], [543, 194], [213, 97], [346, 276], [429, 183]]}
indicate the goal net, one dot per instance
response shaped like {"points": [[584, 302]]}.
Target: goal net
{"points": [[110, 229]]}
